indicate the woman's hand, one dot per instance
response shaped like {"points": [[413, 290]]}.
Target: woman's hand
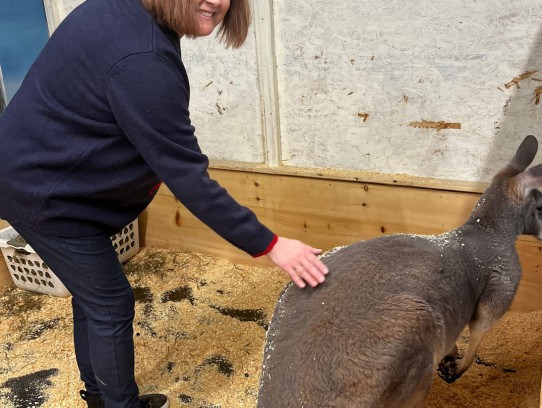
{"points": [[299, 261]]}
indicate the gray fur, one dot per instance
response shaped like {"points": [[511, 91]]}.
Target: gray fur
{"points": [[391, 309]]}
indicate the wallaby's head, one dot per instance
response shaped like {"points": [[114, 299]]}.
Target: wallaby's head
{"points": [[512, 202]]}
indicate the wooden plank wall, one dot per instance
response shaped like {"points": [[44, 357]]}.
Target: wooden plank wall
{"points": [[328, 213]]}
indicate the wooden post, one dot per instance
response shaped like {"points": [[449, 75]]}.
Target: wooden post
{"points": [[5, 277]]}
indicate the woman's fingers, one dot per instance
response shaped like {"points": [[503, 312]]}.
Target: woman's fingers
{"points": [[299, 261]]}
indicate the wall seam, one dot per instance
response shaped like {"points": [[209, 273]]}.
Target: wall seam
{"points": [[267, 73]]}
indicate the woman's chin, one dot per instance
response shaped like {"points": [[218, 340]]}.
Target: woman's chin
{"points": [[205, 29]]}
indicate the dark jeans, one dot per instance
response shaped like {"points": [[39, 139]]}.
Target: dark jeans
{"points": [[103, 311]]}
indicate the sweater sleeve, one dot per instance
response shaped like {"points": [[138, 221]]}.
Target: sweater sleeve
{"points": [[149, 98]]}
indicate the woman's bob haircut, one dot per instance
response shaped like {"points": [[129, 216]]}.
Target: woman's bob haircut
{"points": [[180, 16]]}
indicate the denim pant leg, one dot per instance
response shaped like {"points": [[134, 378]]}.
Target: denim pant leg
{"points": [[103, 311]]}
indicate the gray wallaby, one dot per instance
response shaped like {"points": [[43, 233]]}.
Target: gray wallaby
{"points": [[389, 314]]}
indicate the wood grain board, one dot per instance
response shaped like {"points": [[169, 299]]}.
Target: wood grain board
{"points": [[327, 213], [5, 277]]}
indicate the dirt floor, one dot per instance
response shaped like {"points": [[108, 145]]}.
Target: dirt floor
{"points": [[200, 329]]}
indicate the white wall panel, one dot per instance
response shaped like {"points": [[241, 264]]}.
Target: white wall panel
{"points": [[400, 62], [225, 98]]}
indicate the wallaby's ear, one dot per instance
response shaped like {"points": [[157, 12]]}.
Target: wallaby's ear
{"points": [[530, 179], [525, 154]]}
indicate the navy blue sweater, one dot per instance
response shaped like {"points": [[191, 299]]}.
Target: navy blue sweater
{"points": [[99, 121]]}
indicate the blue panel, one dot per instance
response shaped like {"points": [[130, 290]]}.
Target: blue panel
{"points": [[23, 33]]}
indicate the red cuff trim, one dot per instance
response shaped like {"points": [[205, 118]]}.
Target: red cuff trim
{"points": [[269, 247]]}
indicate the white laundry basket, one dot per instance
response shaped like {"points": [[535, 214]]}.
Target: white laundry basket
{"points": [[29, 272]]}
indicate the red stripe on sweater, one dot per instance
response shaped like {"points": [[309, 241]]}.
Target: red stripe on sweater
{"points": [[269, 247]]}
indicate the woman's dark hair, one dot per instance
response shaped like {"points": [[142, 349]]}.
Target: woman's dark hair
{"points": [[180, 16]]}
